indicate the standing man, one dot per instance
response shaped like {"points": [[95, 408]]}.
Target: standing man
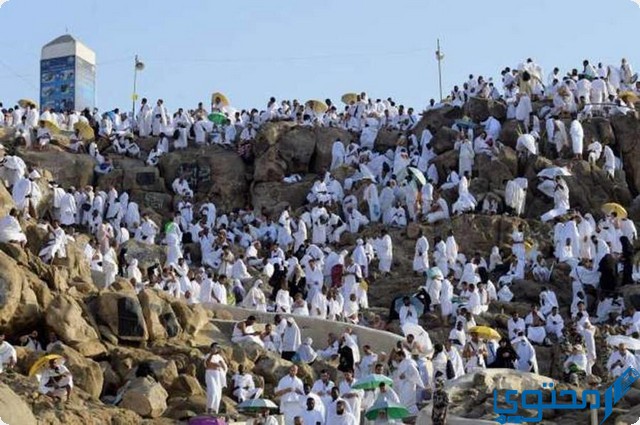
{"points": [[290, 389], [215, 377]]}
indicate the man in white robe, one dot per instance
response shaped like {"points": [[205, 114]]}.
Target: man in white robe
{"points": [[370, 195], [244, 387], [577, 138], [620, 360], [290, 390], [535, 324], [384, 250], [352, 396], [215, 378], [407, 381], [560, 200], [421, 255], [408, 313], [68, 209]]}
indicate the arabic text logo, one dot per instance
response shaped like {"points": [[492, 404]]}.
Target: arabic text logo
{"points": [[591, 399]]}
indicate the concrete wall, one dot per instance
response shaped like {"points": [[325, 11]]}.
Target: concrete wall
{"points": [[317, 329]]}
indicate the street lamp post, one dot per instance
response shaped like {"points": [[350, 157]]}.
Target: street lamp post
{"points": [[139, 66], [439, 58]]}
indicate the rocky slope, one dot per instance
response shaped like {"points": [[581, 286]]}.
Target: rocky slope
{"points": [[103, 348]]}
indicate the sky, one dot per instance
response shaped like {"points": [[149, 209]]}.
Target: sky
{"points": [[253, 49]]}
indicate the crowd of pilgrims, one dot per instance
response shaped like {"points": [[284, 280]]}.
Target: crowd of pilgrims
{"points": [[300, 272]]}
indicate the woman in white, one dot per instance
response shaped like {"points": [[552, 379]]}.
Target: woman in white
{"points": [[110, 265], [10, 230], [255, 298], [133, 272], [215, 377], [466, 201]]}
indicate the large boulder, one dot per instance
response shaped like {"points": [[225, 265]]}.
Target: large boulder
{"points": [[19, 308], [159, 316], [13, 410], [387, 139], [147, 255], [444, 140], [213, 172], [325, 137], [438, 118], [479, 109], [122, 314], [296, 147], [269, 135], [274, 197], [146, 397], [68, 169], [269, 167], [627, 133], [65, 317]]}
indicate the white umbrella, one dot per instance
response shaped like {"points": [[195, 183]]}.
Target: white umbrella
{"points": [[552, 172], [547, 187], [420, 335], [629, 342]]}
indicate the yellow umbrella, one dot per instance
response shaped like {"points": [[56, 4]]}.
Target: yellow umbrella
{"points": [[628, 97], [485, 332], [527, 246], [221, 97], [613, 207], [26, 102], [348, 98], [318, 106], [53, 128], [42, 362], [86, 132]]}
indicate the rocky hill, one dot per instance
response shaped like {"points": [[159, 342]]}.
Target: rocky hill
{"points": [[106, 334]]}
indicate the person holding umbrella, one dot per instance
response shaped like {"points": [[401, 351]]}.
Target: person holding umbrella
{"points": [[56, 380]]}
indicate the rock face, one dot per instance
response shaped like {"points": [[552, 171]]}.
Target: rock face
{"points": [[146, 397], [158, 315], [65, 317], [12, 409], [69, 169], [122, 314], [18, 302], [627, 134], [276, 196], [212, 172]]}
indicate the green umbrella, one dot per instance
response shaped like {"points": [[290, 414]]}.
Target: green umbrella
{"points": [[371, 382], [217, 118], [393, 410], [257, 405]]}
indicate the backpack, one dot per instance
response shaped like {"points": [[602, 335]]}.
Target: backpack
{"points": [[451, 373]]}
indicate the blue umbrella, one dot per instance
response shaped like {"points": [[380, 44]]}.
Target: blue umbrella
{"points": [[415, 301]]}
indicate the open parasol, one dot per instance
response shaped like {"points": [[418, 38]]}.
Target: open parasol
{"points": [[223, 99], [86, 132], [349, 98], [41, 363], [391, 410], [26, 102], [317, 106], [217, 118], [612, 207], [485, 332]]}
